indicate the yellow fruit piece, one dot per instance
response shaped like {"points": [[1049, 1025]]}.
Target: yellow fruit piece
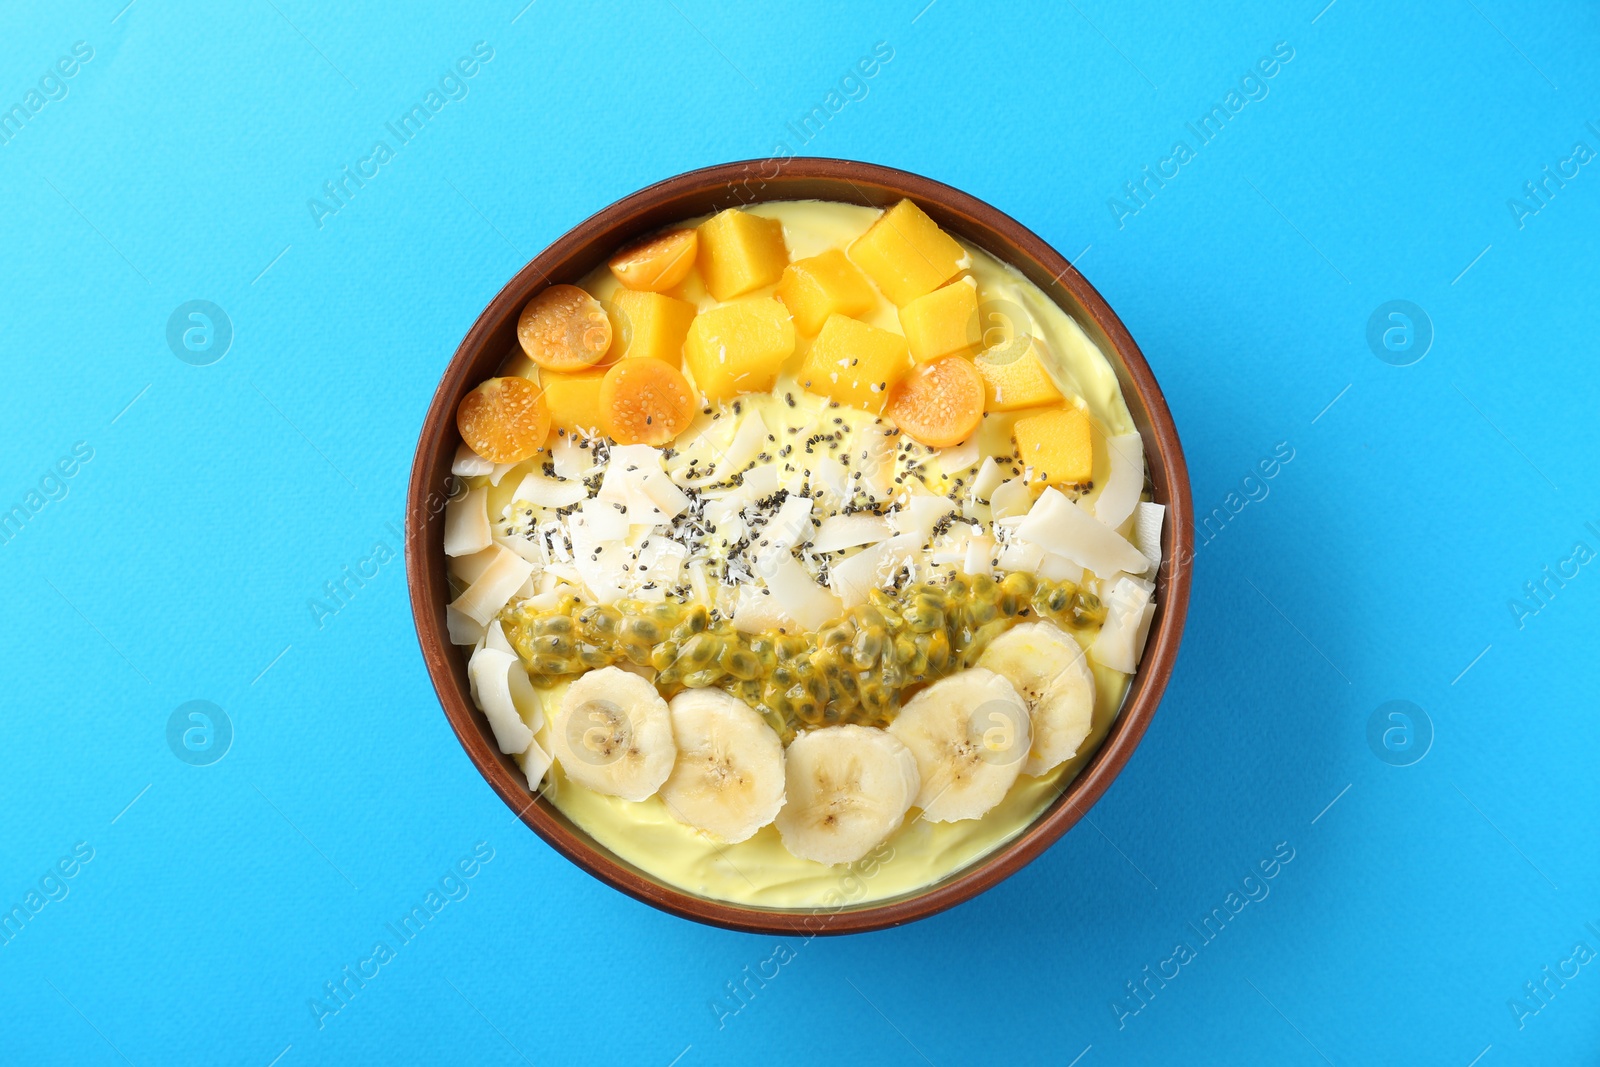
{"points": [[1056, 445], [829, 284], [574, 401], [907, 254], [740, 252], [657, 263], [649, 325], [739, 347], [854, 363], [1013, 377], [943, 322]]}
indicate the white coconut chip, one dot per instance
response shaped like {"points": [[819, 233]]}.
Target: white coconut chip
{"points": [[536, 763], [839, 532], [548, 492], [463, 630], [490, 672], [959, 458], [599, 562], [1010, 498], [468, 464], [503, 576], [1054, 568], [1147, 521], [500, 470], [789, 525], [605, 520], [1120, 494], [755, 610], [918, 515], [572, 460], [667, 499], [466, 523], [747, 444], [980, 555], [874, 452], [1059, 525], [853, 578], [794, 592], [1120, 643], [1019, 556], [988, 477], [469, 569]]}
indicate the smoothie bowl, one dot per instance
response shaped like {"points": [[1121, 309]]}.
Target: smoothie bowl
{"points": [[799, 547]]}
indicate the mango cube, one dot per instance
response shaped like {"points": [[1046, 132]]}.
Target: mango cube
{"points": [[943, 322], [649, 325], [740, 252], [829, 284], [907, 254], [1056, 445], [574, 400], [739, 347], [854, 363], [1013, 376]]}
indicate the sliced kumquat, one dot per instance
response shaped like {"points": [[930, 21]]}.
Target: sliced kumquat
{"points": [[645, 402], [939, 403], [564, 329], [504, 420], [657, 263]]}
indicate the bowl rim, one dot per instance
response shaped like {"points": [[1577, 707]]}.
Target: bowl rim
{"points": [[738, 184]]}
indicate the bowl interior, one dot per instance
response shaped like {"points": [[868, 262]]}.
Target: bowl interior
{"points": [[493, 337]]}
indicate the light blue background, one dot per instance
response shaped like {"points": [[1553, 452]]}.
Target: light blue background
{"points": [[1379, 566]]}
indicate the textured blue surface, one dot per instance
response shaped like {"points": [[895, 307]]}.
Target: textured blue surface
{"points": [[1381, 563]]}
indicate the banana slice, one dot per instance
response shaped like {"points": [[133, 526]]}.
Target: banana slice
{"points": [[728, 780], [970, 735], [1048, 669], [613, 734], [849, 788]]}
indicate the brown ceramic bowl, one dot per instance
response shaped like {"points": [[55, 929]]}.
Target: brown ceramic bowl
{"points": [[700, 192]]}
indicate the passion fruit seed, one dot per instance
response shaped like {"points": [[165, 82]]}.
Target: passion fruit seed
{"points": [[856, 669]]}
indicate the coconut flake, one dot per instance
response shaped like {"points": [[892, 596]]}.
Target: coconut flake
{"points": [[489, 671], [794, 593], [958, 458], [874, 460], [466, 523], [572, 459], [469, 569], [1120, 494], [548, 492], [988, 477], [536, 763], [980, 555], [1120, 643], [500, 470], [1019, 556], [1054, 568], [667, 499], [605, 520], [463, 630], [783, 531], [1147, 520], [917, 515], [853, 578], [468, 464], [598, 562], [747, 443], [484, 598], [847, 531], [1010, 498], [756, 611], [1059, 525]]}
